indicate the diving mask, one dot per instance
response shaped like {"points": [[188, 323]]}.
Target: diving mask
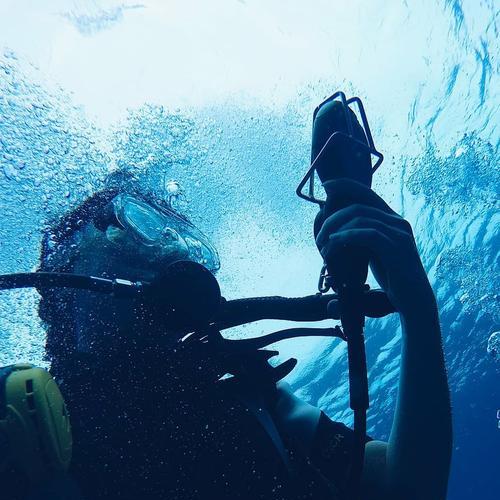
{"points": [[135, 224], [159, 231]]}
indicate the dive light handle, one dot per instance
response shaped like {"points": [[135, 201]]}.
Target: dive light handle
{"points": [[353, 323]]}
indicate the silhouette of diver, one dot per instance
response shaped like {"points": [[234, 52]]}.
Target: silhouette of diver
{"points": [[151, 420]]}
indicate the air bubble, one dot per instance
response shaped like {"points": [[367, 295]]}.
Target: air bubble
{"points": [[493, 348], [10, 172]]}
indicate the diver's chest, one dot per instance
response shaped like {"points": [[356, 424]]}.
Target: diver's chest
{"points": [[182, 447]]}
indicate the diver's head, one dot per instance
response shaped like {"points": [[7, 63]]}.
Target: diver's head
{"points": [[117, 233]]}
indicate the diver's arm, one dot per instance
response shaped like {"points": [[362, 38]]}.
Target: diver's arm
{"points": [[419, 448], [414, 464], [295, 417], [416, 461]]}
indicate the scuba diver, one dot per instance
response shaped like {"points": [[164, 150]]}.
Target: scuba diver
{"points": [[160, 413]]}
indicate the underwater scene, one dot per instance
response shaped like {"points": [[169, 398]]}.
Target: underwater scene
{"points": [[215, 100]]}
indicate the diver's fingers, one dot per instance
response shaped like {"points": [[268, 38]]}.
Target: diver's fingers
{"points": [[395, 234], [343, 192], [373, 240], [355, 215]]}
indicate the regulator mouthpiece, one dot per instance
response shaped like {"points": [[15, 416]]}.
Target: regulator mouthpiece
{"points": [[187, 295]]}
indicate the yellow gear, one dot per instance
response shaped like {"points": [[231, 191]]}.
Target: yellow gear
{"points": [[34, 423]]}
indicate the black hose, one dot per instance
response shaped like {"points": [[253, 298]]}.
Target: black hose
{"points": [[242, 311], [66, 280]]}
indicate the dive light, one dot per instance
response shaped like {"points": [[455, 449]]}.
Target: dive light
{"points": [[342, 149]]}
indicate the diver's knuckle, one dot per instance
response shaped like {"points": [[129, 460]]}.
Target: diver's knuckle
{"points": [[406, 226], [357, 222], [357, 208], [333, 239], [409, 240]]}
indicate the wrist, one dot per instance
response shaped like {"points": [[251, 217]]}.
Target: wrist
{"points": [[421, 307]]}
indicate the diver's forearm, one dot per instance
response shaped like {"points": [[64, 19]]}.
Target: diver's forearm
{"points": [[419, 448]]}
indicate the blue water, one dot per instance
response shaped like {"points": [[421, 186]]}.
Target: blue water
{"points": [[221, 99]]}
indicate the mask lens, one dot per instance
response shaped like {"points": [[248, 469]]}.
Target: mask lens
{"points": [[165, 230], [146, 222]]}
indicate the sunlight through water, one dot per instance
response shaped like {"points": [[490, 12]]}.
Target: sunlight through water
{"points": [[219, 97]]}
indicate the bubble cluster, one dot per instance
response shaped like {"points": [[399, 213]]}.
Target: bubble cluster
{"points": [[49, 152], [52, 158], [493, 347]]}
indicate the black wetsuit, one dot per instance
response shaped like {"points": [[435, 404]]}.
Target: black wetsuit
{"points": [[171, 438]]}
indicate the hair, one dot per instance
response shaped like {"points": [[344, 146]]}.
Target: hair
{"points": [[56, 305]]}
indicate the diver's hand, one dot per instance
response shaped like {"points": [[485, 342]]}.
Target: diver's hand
{"points": [[368, 222]]}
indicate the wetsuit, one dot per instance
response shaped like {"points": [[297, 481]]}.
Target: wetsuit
{"points": [[174, 438]]}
